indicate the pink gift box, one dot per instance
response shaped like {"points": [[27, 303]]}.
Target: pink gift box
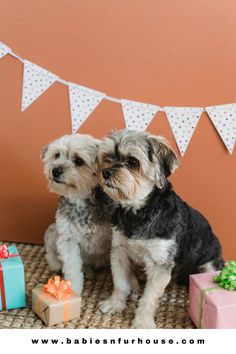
{"points": [[211, 306]]}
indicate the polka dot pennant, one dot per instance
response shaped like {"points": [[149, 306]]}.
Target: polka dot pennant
{"points": [[4, 50], [224, 120], [36, 81], [183, 121], [138, 115], [83, 102]]}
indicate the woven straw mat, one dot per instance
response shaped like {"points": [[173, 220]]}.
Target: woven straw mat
{"points": [[172, 312]]}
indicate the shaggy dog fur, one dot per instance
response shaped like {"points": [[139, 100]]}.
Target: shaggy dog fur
{"points": [[80, 238], [152, 226]]}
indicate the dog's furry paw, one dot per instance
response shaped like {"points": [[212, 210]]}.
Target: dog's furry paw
{"points": [[112, 305], [143, 323]]}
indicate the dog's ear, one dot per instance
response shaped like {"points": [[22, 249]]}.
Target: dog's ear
{"points": [[95, 166], [163, 157], [44, 151], [96, 161]]}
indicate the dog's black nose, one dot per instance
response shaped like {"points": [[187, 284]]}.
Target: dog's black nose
{"points": [[107, 173], [57, 171]]}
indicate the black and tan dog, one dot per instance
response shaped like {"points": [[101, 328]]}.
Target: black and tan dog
{"points": [[153, 226]]}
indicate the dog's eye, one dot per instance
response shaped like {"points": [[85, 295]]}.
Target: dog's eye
{"points": [[57, 155], [108, 159], [78, 161], [133, 162]]}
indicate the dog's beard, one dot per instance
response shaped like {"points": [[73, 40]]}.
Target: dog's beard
{"points": [[73, 184], [62, 189], [126, 186]]}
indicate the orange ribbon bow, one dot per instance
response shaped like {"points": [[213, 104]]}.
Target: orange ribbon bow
{"points": [[60, 289]]}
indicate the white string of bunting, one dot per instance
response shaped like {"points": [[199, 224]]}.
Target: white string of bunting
{"points": [[137, 115]]}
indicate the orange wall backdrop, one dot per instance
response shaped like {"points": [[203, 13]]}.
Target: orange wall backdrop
{"points": [[176, 53]]}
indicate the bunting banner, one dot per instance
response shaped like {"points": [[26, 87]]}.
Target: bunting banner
{"points": [[83, 102], [224, 120], [36, 81], [4, 50], [183, 122], [137, 115]]}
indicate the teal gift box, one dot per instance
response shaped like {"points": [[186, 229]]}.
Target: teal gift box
{"points": [[12, 281]]}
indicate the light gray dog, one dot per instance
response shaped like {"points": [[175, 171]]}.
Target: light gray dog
{"points": [[80, 238]]}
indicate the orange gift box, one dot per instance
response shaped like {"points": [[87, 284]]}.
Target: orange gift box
{"points": [[54, 306]]}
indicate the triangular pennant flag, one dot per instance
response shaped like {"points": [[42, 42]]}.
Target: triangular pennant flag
{"points": [[4, 50], [183, 121], [36, 81], [224, 120], [138, 115], [83, 102]]}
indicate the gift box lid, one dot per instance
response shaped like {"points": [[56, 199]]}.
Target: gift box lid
{"points": [[12, 262]]}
